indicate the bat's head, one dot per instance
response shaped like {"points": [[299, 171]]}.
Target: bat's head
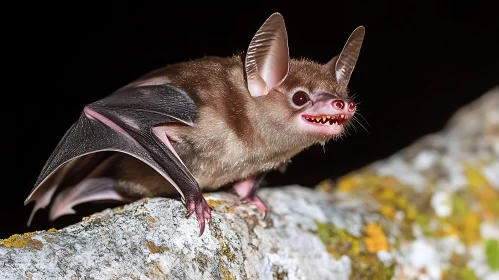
{"points": [[312, 96]]}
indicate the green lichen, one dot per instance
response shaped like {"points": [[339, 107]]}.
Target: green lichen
{"points": [[457, 268], [492, 253], [392, 196], [365, 263], [478, 201], [459, 273]]}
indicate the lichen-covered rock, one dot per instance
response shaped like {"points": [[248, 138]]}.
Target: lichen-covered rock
{"points": [[430, 211], [151, 239], [438, 199]]}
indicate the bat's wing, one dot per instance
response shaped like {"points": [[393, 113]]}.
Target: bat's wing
{"points": [[127, 122]]}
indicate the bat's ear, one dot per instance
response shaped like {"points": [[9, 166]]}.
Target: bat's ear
{"points": [[267, 59], [343, 64]]}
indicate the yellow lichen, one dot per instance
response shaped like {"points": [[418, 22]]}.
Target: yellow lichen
{"points": [[402, 202], [449, 230], [347, 183], [478, 202], [411, 213], [153, 248], [52, 230], [387, 194], [475, 178], [220, 205], [326, 186], [387, 190], [375, 239], [365, 264], [21, 240], [225, 273], [488, 198], [213, 203], [387, 211], [471, 229], [226, 251], [483, 191]]}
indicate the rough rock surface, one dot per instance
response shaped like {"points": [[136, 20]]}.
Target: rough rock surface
{"points": [[430, 211]]}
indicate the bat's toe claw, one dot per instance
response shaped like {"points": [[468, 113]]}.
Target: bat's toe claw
{"points": [[202, 210], [256, 201], [201, 227]]}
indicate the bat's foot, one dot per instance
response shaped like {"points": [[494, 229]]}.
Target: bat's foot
{"points": [[199, 206], [246, 190], [255, 200]]}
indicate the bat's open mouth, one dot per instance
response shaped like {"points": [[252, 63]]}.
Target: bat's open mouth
{"points": [[329, 124], [329, 120]]}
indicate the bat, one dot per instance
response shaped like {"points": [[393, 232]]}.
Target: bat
{"points": [[200, 125]]}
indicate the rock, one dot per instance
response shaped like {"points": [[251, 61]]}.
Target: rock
{"points": [[151, 239], [431, 211]]}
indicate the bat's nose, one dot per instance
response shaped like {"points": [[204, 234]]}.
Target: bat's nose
{"points": [[351, 106], [338, 104], [344, 105]]}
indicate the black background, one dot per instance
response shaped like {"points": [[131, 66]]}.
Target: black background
{"points": [[419, 63]]}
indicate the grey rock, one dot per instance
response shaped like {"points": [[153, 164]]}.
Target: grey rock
{"points": [[151, 239]]}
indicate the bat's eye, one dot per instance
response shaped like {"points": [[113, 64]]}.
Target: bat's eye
{"points": [[300, 98]]}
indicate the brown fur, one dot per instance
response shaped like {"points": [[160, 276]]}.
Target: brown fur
{"points": [[236, 135]]}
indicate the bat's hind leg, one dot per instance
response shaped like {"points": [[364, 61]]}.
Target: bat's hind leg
{"points": [[246, 190]]}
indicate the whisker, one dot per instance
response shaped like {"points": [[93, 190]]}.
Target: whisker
{"points": [[353, 127], [357, 121], [365, 120]]}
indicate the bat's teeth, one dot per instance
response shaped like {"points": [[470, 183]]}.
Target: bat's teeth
{"points": [[331, 120]]}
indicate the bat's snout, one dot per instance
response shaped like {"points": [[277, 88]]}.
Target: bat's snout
{"points": [[344, 106]]}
